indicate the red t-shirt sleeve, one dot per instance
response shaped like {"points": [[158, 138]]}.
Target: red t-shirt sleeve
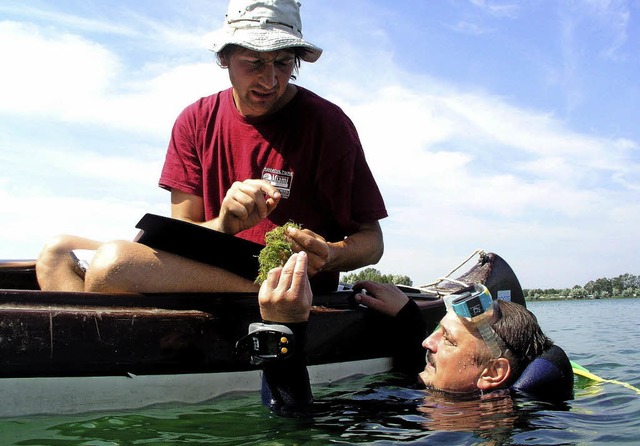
{"points": [[182, 167]]}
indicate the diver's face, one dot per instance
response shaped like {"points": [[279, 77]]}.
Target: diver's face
{"points": [[452, 352]]}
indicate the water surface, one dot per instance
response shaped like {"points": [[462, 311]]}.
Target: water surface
{"points": [[601, 335]]}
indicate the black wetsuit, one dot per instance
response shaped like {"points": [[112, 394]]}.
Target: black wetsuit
{"points": [[286, 388], [285, 383]]}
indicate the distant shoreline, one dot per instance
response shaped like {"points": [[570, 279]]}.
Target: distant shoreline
{"points": [[550, 297]]}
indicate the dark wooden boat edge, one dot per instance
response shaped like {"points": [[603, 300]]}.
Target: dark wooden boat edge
{"points": [[88, 338]]}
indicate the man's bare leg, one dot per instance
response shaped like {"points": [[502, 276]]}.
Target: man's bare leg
{"points": [[123, 266], [55, 266]]}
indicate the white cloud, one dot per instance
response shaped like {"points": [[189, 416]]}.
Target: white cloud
{"points": [[462, 170], [30, 218], [68, 78], [50, 73]]}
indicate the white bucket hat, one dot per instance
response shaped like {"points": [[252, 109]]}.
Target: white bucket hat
{"points": [[266, 25]]}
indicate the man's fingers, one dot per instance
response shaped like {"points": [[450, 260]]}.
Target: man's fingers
{"points": [[372, 287], [264, 196], [386, 298], [286, 294], [270, 199], [309, 241], [286, 276], [300, 269], [368, 301], [290, 275], [252, 196], [273, 277], [267, 188], [272, 203]]}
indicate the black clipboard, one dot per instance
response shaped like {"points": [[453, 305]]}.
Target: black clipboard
{"points": [[199, 243]]}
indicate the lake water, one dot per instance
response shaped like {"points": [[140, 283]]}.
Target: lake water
{"points": [[601, 335]]}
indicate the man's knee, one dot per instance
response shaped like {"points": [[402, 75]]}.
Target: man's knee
{"points": [[56, 246], [110, 269], [54, 255], [54, 264]]}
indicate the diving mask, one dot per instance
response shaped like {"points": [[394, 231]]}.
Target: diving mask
{"points": [[475, 305]]}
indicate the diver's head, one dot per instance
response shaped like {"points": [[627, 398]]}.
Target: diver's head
{"points": [[481, 344]]}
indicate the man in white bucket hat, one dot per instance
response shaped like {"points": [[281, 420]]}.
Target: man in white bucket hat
{"points": [[264, 26], [243, 161], [271, 30]]}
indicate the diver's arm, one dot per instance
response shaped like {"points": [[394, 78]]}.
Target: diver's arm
{"points": [[285, 383], [411, 329], [285, 298], [408, 327]]}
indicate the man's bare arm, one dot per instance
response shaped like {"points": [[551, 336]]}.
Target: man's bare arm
{"points": [[362, 248], [244, 206]]}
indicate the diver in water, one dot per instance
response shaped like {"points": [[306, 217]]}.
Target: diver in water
{"points": [[480, 345]]}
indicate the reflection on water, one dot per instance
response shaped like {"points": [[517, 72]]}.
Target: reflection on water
{"points": [[496, 411], [380, 410], [400, 415]]}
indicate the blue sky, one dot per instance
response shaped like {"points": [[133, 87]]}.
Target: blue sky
{"points": [[510, 126]]}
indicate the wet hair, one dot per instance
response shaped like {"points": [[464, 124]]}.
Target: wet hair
{"points": [[519, 330], [225, 53]]}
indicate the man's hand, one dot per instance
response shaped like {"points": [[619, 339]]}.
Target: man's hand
{"points": [[363, 247], [285, 296], [319, 250], [245, 205], [383, 297]]}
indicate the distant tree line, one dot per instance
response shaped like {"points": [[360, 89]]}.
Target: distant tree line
{"points": [[375, 276], [625, 285]]}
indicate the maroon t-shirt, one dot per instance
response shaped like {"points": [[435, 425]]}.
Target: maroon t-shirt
{"points": [[309, 150]]}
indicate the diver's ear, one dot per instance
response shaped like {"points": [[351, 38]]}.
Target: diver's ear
{"points": [[495, 375]]}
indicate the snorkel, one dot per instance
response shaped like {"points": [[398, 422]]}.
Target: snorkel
{"points": [[475, 307]]}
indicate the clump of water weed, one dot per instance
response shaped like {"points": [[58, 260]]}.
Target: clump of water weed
{"points": [[276, 252]]}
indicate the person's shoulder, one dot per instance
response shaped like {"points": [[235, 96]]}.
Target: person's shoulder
{"points": [[316, 104], [209, 102], [205, 106]]}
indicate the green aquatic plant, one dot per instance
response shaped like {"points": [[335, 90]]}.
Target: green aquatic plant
{"points": [[276, 252]]}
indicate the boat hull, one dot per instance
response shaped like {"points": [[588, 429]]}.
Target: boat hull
{"points": [[75, 352]]}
